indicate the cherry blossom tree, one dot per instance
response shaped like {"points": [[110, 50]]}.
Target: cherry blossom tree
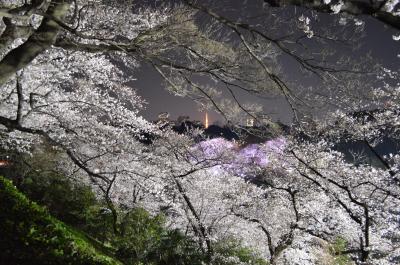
{"points": [[240, 56], [384, 11], [65, 68], [290, 199]]}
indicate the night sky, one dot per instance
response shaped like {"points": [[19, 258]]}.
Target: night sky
{"points": [[149, 84]]}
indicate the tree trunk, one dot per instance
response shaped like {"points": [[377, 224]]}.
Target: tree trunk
{"points": [[37, 43]]}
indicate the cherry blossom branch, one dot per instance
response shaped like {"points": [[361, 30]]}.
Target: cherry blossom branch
{"points": [[374, 9]]}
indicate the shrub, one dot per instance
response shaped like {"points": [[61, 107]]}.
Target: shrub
{"points": [[145, 239], [336, 249], [231, 252]]}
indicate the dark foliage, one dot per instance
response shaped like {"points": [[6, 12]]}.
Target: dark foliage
{"points": [[29, 235]]}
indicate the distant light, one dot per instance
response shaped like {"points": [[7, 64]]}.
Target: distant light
{"points": [[206, 122], [5, 163], [250, 122]]}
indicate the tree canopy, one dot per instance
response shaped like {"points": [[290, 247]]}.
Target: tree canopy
{"points": [[297, 198]]}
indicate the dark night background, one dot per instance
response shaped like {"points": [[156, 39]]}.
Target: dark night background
{"points": [[378, 42]]}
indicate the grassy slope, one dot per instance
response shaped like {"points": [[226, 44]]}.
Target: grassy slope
{"points": [[29, 235]]}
